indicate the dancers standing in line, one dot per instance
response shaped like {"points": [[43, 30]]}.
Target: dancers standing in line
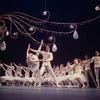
{"points": [[88, 71], [47, 58], [96, 60], [33, 61]]}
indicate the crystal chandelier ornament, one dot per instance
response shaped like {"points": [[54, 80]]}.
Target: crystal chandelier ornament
{"points": [[75, 35], [54, 48], [3, 46]]}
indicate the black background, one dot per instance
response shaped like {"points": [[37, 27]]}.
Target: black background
{"points": [[61, 11]]}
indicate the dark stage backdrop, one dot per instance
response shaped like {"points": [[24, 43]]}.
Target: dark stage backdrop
{"points": [[62, 11]]}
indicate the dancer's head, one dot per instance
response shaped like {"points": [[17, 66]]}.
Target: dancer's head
{"points": [[11, 64], [79, 60], [86, 57], [76, 61], [97, 53], [61, 65], [47, 48], [20, 64], [30, 54], [68, 64]]}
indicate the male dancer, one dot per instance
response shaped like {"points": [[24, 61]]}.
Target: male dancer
{"points": [[33, 61], [96, 60], [47, 58], [88, 70]]}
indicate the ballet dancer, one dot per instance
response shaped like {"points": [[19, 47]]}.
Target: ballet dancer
{"points": [[88, 70], [33, 61], [96, 60], [77, 75], [47, 58]]}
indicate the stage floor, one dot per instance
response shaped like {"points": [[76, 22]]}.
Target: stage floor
{"points": [[47, 93]]}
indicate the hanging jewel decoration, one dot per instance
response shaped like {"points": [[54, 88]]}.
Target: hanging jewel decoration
{"points": [[75, 35], [7, 33], [3, 46], [54, 48]]}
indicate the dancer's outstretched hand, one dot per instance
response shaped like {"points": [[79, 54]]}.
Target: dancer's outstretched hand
{"points": [[42, 41], [28, 46]]}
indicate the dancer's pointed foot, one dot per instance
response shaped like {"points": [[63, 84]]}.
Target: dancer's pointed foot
{"points": [[83, 86], [58, 85], [98, 87], [39, 85]]}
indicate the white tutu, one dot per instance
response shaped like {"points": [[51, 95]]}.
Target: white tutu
{"points": [[78, 75], [47, 79], [66, 77], [33, 78], [17, 78], [27, 79], [9, 78], [59, 79]]}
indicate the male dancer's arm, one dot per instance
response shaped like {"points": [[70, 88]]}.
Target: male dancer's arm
{"points": [[92, 59], [48, 58]]}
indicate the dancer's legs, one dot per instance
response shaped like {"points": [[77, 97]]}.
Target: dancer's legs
{"points": [[97, 77], [91, 75]]}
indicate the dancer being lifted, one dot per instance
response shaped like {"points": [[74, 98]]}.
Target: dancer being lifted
{"points": [[33, 61], [47, 58]]}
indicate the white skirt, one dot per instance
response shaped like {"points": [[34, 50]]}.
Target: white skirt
{"points": [[7, 78], [27, 79], [17, 78], [78, 75]]}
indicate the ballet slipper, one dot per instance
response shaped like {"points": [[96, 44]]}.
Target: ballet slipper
{"points": [[98, 87], [83, 86]]}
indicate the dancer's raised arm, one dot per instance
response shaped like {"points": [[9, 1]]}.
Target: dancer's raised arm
{"points": [[28, 50], [39, 49]]}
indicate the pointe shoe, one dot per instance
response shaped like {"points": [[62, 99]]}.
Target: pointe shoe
{"points": [[87, 86], [98, 87], [83, 86], [39, 86], [58, 85]]}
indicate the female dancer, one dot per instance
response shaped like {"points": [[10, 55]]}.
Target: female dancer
{"points": [[33, 61], [10, 70], [77, 75], [8, 76]]}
